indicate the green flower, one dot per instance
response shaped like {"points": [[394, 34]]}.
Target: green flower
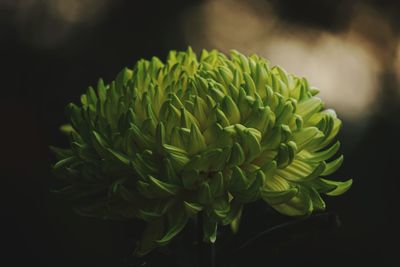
{"points": [[167, 141]]}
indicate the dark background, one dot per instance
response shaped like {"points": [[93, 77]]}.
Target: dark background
{"points": [[48, 60]]}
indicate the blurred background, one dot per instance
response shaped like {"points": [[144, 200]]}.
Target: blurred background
{"points": [[52, 50]]}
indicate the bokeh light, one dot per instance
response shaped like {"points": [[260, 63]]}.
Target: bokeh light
{"points": [[346, 66], [48, 23]]}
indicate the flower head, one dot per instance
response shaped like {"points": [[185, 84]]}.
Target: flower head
{"points": [[167, 141]]}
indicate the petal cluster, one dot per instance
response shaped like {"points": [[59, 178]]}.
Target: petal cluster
{"points": [[204, 135]]}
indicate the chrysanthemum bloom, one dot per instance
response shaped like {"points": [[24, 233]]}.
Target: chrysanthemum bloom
{"points": [[165, 142]]}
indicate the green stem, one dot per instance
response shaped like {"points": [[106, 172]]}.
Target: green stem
{"points": [[206, 256]]}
